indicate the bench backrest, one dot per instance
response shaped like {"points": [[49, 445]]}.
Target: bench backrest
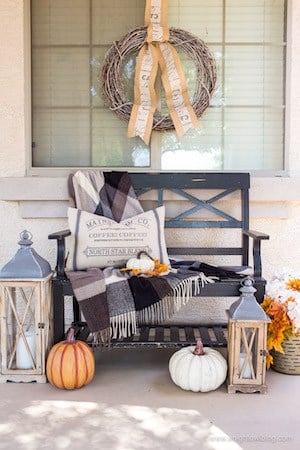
{"points": [[190, 187]]}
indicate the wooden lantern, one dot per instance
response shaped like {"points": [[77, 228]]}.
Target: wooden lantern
{"points": [[247, 343], [25, 314]]}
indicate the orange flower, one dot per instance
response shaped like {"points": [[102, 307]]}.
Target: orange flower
{"points": [[293, 284], [280, 327], [159, 269]]}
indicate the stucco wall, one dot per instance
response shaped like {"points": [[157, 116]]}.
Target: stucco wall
{"points": [[12, 93], [275, 202]]}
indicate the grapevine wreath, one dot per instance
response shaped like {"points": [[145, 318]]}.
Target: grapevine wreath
{"points": [[192, 46]]}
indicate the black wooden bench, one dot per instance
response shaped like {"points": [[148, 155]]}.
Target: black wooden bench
{"points": [[205, 198]]}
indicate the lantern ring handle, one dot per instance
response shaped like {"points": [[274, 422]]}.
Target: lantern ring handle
{"points": [[247, 281], [26, 237]]}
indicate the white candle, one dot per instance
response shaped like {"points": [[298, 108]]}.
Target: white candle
{"points": [[247, 371], [23, 359]]}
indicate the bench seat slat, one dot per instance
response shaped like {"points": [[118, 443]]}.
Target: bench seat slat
{"points": [[207, 342], [219, 333], [174, 336], [190, 336]]}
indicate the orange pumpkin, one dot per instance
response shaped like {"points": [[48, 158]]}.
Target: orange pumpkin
{"points": [[70, 364]]}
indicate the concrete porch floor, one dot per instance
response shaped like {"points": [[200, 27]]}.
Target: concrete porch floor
{"points": [[132, 404]]}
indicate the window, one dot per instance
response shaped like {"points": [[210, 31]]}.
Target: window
{"points": [[243, 129]]}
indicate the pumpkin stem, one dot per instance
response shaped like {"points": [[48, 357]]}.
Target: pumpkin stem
{"points": [[71, 335], [142, 252], [199, 348]]}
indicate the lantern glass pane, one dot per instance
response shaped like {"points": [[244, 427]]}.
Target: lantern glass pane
{"points": [[18, 319], [248, 352]]}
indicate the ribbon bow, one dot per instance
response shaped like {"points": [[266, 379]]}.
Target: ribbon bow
{"points": [[158, 52]]}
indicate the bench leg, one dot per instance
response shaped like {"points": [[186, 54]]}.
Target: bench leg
{"points": [[260, 291], [58, 312], [76, 310]]}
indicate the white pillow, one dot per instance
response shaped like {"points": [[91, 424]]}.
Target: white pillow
{"points": [[97, 241]]}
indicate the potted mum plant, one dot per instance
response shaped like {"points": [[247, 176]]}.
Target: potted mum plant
{"points": [[282, 304]]}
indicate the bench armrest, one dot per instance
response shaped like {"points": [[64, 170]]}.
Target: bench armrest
{"points": [[256, 234], [257, 237], [60, 237], [60, 234]]}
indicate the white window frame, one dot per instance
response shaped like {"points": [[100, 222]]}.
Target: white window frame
{"points": [[155, 155]]}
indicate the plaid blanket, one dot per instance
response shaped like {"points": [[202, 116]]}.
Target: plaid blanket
{"points": [[112, 301], [108, 194]]}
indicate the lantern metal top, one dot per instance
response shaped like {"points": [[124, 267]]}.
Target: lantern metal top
{"points": [[26, 263], [247, 307]]}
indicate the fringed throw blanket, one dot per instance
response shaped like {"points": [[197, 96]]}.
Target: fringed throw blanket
{"points": [[112, 301]]}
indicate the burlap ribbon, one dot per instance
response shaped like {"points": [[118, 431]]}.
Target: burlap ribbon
{"points": [[158, 52]]}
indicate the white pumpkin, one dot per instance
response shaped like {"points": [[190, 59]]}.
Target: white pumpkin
{"points": [[142, 264], [198, 368]]}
